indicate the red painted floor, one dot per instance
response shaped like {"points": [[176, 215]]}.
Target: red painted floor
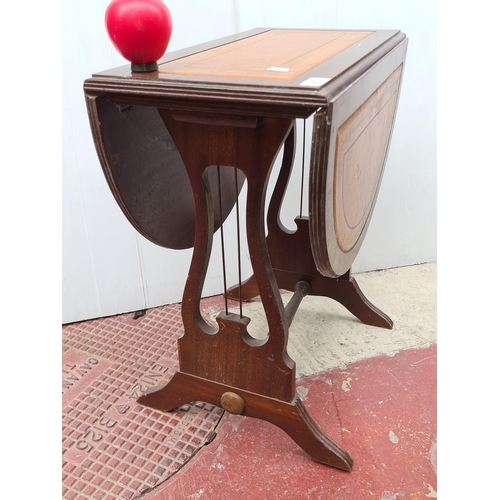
{"points": [[382, 410], [113, 448]]}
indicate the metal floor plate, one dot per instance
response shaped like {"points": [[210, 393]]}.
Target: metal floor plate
{"points": [[114, 448]]}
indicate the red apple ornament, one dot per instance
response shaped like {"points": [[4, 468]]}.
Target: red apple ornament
{"points": [[140, 30]]}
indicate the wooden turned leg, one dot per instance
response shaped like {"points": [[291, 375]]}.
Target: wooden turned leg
{"points": [[290, 417]]}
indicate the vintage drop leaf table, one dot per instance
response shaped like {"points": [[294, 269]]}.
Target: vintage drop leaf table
{"points": [[176, 146]]}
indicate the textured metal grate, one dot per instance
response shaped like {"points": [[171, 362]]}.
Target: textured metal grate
{"points": [[114, 448]]}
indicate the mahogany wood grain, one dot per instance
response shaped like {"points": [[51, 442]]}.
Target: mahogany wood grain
{"points": [[291, 417], [264, 97], [292, 267], [362, 143], [292, 51], [160, 137], [218, 354], [146, 175], [346, 169]]}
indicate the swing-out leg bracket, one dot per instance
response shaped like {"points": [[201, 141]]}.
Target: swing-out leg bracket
{"points": [[292, 259]]}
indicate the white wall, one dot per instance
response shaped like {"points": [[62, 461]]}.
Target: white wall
{"points": [[109, 269]]}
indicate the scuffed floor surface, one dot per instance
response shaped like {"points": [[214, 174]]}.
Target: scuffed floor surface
{"points": [[371, 390], [382, 410]]}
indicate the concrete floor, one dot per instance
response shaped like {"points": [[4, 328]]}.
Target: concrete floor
{"points": [[370, 389], [324, 335]]}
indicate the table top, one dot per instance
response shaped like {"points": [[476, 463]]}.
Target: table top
{"points": [[272, 55], [284, 71]]}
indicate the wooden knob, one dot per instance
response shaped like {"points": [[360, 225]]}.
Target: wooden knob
{"points": [[232, 403]]}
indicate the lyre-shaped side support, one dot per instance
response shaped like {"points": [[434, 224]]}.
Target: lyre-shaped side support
{"points": [[251, 146], [225, 366]]}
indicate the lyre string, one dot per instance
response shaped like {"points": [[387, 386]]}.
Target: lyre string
{"points": [[222, 241], [238, 236], [303, 168]]}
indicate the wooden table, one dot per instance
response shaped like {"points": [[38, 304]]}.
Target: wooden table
{"points": [[176, 146]]}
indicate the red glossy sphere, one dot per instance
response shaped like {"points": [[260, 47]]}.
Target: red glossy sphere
{"points": [[139, 29]]}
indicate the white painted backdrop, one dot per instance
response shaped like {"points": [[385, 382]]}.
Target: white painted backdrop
{"points": [[108, 268]]}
